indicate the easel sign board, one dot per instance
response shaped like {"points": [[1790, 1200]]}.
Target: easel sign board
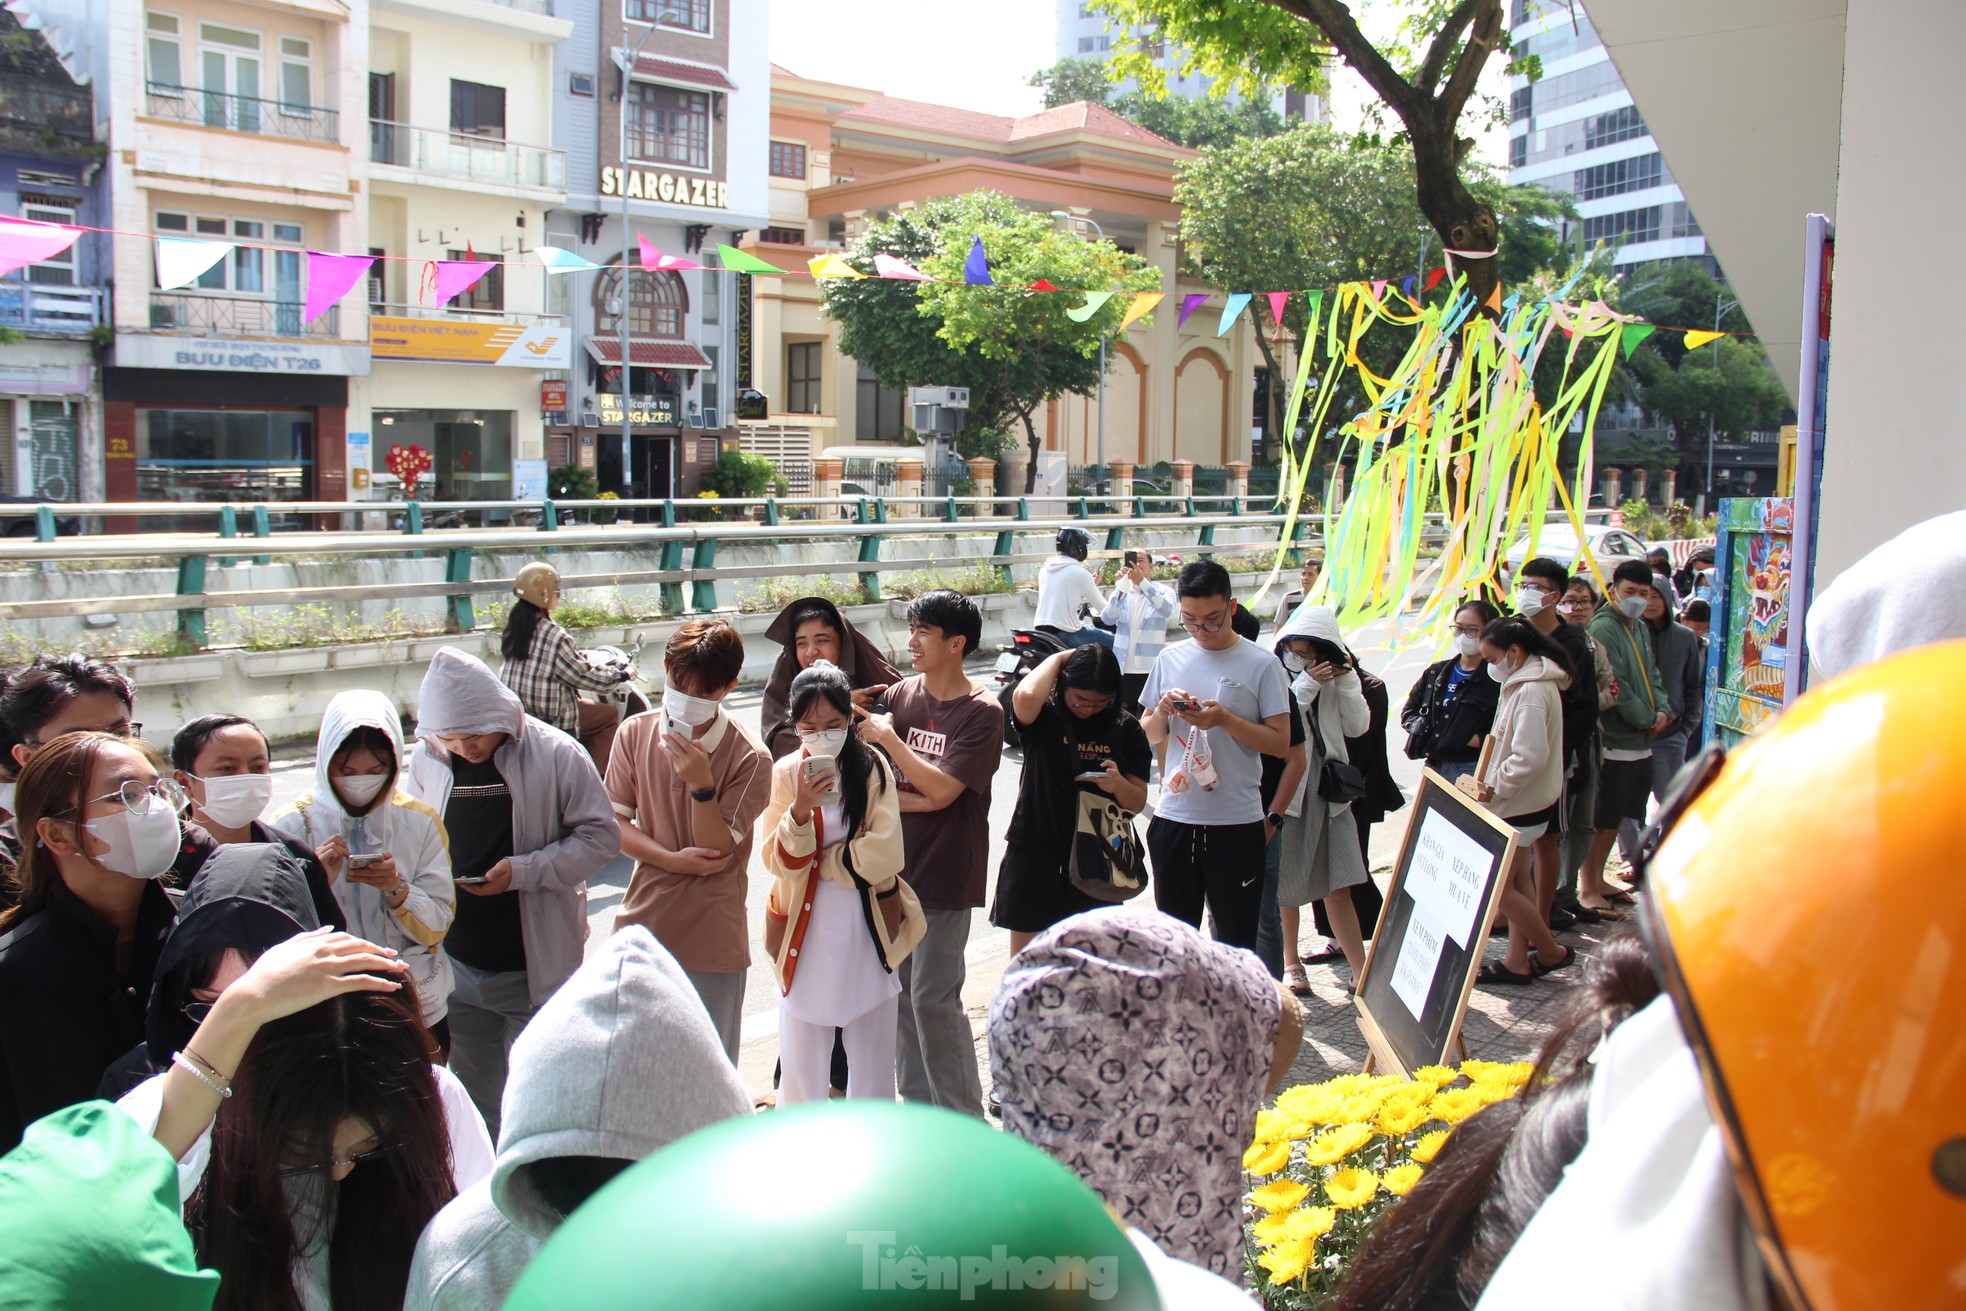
{"points": [[1427, 949]]}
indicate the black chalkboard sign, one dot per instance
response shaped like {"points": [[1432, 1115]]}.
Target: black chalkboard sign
{"points": [[1439, 908]]}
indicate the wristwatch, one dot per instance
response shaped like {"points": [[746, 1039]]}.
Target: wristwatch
{"points": [[1273, 819], [703, 794]]}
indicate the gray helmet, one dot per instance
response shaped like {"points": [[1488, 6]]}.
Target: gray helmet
{"points": [[1075, 542]]}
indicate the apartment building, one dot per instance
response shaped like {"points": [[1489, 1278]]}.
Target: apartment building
{"points": [[1085, 33]]}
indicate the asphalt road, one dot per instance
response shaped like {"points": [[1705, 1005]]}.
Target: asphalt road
{"points": [[989, 948]]}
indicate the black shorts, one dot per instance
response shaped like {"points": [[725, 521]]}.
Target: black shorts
{"points": [[1623, 789], [1034, 892]]}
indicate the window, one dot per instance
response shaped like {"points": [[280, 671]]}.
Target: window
{"points": [[245, 272], [487, 293], [788, 160], [802, 377], [296, 76], [1518, 150], [1634, 225], [56, 270], [783, 236], [162, 49], [667, 125], [478, 110], [657, 303], [1085, 9], [1085, 45], [686, 15], [581, 84], [713, 297], [1683, 222], [877, 409], [1586, 83], [1521, 103], [1618, 125], [1619, 176]]}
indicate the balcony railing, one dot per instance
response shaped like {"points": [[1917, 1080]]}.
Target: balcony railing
{"points": [[275, 118], [519, 318], [40, 307], [442, 153], [237, 316]]}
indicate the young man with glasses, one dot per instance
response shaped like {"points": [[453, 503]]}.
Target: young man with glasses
{"points": [[1221, 699], [1538, 593]]}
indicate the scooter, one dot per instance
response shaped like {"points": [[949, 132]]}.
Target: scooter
{"points": [[1027, 649], [632, 696]]}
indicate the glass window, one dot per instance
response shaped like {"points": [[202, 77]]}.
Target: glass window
{"points": [[1521, 102], [238, 38], [173, 223], [487, 293], [1619, 176], [478, 110], [1609, 129], [53, 471], [802, 377], [688, 15], [1085, 45], [1518, 150], [877, 412], [667, 125], [788, 159], [163, 50], [1624, 229], [287, 232], [55, 270], [713, 297], [296, 75], [657, 303], [224, 455]]}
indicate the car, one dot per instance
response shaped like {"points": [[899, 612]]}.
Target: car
{"points": [[22, 525], [1610, 546]]}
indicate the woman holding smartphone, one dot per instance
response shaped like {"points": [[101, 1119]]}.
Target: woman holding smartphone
{"points": [[1075, 737], [839, 919]]}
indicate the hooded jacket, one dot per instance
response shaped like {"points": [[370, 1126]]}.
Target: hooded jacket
{"points": [[1909, 592], [621, 1062], [1336, 710], [1627, 725], [1065, 584], [860, 660], [563, 826], [1526, 769], [401, 825]]}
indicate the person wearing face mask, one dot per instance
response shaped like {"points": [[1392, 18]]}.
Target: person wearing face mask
{"points": [[544, 667], [1641, 713], [809, 630], [840, 919], [1450, 709], [223, 765], [1683, 669], [687, 784], [1539, 598], [1070, 730], [1523, 783], [79, 951], [529, 822], [386, 853]]}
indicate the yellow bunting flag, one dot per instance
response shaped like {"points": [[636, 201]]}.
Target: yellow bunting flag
{"points": [[1698, 337], [1142, 304], [832, 266]]}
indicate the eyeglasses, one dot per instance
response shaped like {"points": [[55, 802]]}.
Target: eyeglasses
{"points": [[1196, 627], [136, 795], [323, 1167], [1465, 631], [127, 729]]}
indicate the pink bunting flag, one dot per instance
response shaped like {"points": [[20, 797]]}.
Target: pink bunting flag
{"points": [[1277, 301], [457, 276], [328, 279], [1189, 304], [655, 259], [23, 242], [1379, 290], [888, 266]]}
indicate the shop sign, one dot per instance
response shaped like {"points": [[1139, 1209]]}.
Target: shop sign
{"points": [[458, 341], [647, 411], [553, 396], [529, 480], [360, 455], [671, 188], [226, 355]]}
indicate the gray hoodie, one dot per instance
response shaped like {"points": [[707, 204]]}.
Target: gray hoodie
{"points": [[622, 1061]]}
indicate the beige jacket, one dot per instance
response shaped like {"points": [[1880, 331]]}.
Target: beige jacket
{"points": [[793, 852]]}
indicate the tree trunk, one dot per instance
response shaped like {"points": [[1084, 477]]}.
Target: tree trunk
{"points": [[1462, 222], [1031, 442], [1273, 433]]}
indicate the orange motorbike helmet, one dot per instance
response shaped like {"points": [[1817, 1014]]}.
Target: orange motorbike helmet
{"points": [[1808, 908], [538, 583]]}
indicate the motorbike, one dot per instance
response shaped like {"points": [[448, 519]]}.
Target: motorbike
{"points": [[632, 696], [1027, 649]]}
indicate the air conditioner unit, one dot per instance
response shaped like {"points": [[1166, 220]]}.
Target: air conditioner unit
{"points": [[712, 418]]}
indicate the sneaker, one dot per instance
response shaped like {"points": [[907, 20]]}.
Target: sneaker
{"points": [[1561, 919], [1322, 950]]}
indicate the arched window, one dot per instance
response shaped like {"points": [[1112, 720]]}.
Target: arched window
{"points": [[656, 306]]}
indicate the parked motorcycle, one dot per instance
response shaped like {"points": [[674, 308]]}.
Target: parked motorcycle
{"points": [[1027, 649], [632, 696]]}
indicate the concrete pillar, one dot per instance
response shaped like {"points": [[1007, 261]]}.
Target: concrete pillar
{"points": [[1120, 481], [1337, 487], [826, 475], [1238, 477], [1640, 476], [1614, 487], [982, 472], [1669, 487], [908, 473], [1184, 478]]}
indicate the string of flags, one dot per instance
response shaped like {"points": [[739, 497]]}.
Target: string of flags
{"points": [[182, 261]]}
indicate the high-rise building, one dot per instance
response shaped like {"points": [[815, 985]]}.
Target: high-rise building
{"points": [[1085, 33], [1576, 129]]}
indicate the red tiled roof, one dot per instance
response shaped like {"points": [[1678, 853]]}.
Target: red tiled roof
{"points": [[1086, 116], [673, 70], [649, 352], [947, 120], [779, 70]]}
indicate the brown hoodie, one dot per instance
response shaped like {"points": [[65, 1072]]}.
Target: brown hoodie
{"points": [[860, 660]]}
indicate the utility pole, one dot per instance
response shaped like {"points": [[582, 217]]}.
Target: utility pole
{"points": [[627, 270]]}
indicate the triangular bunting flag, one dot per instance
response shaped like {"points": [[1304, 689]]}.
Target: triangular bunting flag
{"points": [[1229, 311], [888, 266], [1043, 284], [976, 269], [181, 261], [23, 242], [738, 262], [1434, 276], [1698, 337], [832, 266], [1277, 299], [655, 259], [328, 279], [1142, 304], [1094, 300], [1189, 304], [562, 261], [1632, 334], [456, 276], [1379, 289], [1406, 286], [1494, 301]]}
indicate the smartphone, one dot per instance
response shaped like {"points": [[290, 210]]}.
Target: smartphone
{"points": [[363, 862], [467, 883], [1189, 704], [1090, 776]]}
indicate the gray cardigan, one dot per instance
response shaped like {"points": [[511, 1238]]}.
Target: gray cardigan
{"points": [[1683, 669]]}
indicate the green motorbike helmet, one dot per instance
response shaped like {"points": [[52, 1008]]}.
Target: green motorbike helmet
{"points": [[834, 1206]]}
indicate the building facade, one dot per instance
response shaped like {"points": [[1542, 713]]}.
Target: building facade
{"points": [[843, 156], [1084, 33]]}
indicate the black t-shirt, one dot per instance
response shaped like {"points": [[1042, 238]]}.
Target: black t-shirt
{"points": [[1580, 698], [1273, 765], [486, 933], [1058, 745]]}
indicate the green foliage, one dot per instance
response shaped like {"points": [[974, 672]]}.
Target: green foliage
{"points": [[317, 625], [1071, 80], [773, 594], [570, 482], [1730, 381], [1184, 120], [977, 580], [1675, 522], [1246, 46], [741, 475]]}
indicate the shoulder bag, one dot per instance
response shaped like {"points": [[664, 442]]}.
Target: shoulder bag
{"points": [[1105, 861]]}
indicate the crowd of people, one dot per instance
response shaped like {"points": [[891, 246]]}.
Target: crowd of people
{"points": [[367, 1029]]}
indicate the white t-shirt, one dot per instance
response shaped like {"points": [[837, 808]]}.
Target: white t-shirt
{"points": [[1249, 683]]}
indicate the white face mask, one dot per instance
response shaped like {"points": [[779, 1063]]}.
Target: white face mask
{"points": [[361, 789], [1295, 663], [1467, 646], [140, 846], [1531, 601], [236, 800], [824, 743], [682, 708], [1499, 672], [1633, 606]]}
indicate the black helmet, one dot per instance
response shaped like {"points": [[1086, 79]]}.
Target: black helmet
{"points": [[1075, 542]]}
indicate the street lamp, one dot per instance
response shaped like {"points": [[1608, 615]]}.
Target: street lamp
{"points": [[1066, 214], [1720, 308], [627, 298]]}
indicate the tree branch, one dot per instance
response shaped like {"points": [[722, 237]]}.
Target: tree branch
{"points": [[1443, 45], [1482, 40], [1335, 20]]}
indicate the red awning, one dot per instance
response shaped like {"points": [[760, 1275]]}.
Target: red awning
{"points": [[676, 70], [649, 352]]}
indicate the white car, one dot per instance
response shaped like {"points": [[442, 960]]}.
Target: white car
{"points": [[1609, 546]]}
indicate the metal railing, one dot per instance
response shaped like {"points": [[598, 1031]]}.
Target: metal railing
{"points": [[43, 307], [442, 153], [238, 316], [274, 118], [452, 312]]}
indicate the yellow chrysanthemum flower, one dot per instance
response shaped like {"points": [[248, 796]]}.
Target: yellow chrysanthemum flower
{"points": [[1429, 1146], [1434, 1077], [1287, 1260], [1511, 1077], [1266, 1158], [1351, 1187], [1474, 1069], [1269, 1231], [1272, 1126], [1456, 1104], [1306, 1104], [1280, 1194], [1309, 1222], [1397, 1118], [1334, 1145], [1400, 1179]]}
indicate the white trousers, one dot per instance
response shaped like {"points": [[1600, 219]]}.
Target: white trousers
{"points": [[805, 1056]]}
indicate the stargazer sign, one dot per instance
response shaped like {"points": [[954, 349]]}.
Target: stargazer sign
{"points": [[672, 188]]}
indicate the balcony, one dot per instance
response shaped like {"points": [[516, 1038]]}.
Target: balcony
{"points": [[273, 118], [529, 20], [237, 316], [437, 156], [43, 308]]}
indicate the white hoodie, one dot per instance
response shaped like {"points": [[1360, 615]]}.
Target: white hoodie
{"points": [[1526, 770], [1337, 710], [402, 826], [1908, 592], [1063, 586]]}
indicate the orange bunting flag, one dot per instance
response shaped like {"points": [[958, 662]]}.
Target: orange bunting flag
{"points": [[1142, 304], [1698, 337], [1494, 301]]}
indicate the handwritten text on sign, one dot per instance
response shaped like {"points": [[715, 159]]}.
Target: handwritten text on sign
{"points": [[1413, 971], [1447, 875]]}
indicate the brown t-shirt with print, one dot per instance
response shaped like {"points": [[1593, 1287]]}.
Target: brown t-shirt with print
{"points": [[948, 850], [698, 917]]}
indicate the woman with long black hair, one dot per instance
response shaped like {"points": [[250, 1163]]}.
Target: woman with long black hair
{"points": [[1452, 706], [840, 919], [544, 667]]}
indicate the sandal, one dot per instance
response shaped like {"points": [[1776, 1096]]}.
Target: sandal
{"points": [[1294, 979], [1569, 958], [1585, 915], [1620, 898], [1605, 914], [1497, 972]]}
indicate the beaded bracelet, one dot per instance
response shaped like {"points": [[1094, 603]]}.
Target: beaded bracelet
{"points": [[223, 1090]]}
